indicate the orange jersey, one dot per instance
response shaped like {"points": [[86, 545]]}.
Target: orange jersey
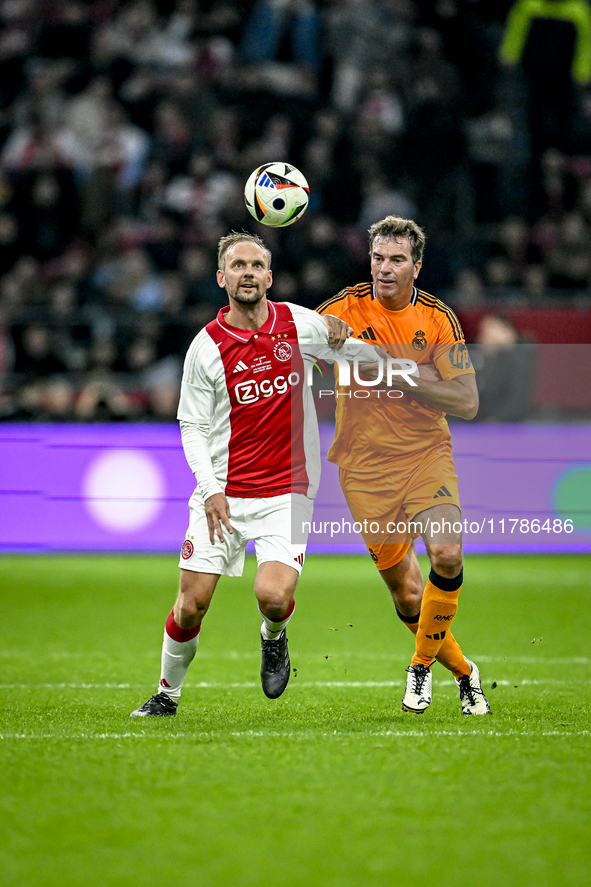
{"points": [[371, 428]]}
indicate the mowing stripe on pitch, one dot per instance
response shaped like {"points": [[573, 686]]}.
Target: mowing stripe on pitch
{"points": [[295, 682]]}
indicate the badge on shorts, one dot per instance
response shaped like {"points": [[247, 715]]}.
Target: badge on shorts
{"points": [[187, 550]]}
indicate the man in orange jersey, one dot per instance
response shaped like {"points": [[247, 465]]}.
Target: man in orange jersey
{"points": [[393, 450]]}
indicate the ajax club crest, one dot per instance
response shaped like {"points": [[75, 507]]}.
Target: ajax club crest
{"points": [[282, 351]]}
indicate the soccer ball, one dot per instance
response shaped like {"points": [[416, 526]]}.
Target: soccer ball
{"points": [[276, 194]]}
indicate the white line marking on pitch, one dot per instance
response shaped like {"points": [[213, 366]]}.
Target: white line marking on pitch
{"points": [[351, 655], [292, 735]]}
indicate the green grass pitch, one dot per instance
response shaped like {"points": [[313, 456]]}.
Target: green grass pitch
{"points": [[330, 786]]}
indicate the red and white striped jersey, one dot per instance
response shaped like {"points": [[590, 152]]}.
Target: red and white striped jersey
{"points": [[247, 416]]}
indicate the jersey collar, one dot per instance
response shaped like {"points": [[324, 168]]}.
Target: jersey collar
{"points": [[413, 298], [246, 335]]}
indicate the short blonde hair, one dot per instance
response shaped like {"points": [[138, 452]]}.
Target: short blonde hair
{"points": [[235, 237], [394, 226]]}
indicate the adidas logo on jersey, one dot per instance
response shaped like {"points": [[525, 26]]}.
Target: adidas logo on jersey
{"points": [[442, 491], [240, 367], [368, 334]]}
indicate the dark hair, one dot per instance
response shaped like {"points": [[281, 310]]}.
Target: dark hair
{"points": [[394, 226]]}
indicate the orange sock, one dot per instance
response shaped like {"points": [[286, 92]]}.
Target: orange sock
{"points": [[450, 653], [439, 607], [451, 657]]}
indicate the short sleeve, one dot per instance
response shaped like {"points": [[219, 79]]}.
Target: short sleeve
{"points": [[451, 355], [335, 305]]}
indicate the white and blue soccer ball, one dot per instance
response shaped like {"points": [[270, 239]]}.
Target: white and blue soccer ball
{"points": [[276, 194]]}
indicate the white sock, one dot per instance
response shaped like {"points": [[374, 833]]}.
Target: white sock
{"points": [[177, 656], [271, 630]]}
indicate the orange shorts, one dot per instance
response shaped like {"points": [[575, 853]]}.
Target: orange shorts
{"points": [[384, 503]]}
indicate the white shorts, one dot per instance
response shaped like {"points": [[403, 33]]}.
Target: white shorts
{"points": [[269, 522]]}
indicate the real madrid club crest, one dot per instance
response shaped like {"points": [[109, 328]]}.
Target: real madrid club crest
{"points": [[419, 343]]}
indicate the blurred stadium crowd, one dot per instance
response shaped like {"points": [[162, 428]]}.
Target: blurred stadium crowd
{"points": [[128, 129]]}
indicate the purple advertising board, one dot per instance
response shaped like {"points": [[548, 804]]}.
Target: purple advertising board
{"points": [[523, 487], [93, 488], [126, 487]]}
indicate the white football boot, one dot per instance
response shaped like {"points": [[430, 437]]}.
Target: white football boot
{"points": [[472, 697], [417, 696]]}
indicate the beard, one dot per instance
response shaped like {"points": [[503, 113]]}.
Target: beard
{"points": [[250, 298]]}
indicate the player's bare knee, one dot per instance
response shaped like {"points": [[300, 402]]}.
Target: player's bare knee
{"points": [[274, 602], [274, 588], [189, 611], [405, 584], [193, 599], [274, 597], [446, 559], [407, 600]]}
